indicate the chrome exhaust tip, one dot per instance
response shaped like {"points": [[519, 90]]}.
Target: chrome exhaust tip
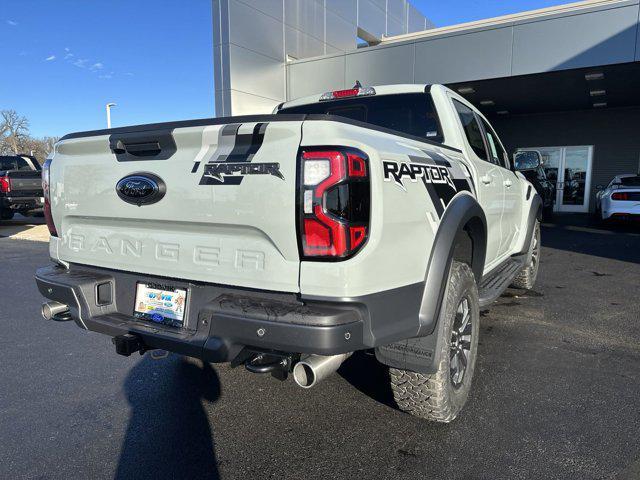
{"points": [[55, 311], [315, 368]]}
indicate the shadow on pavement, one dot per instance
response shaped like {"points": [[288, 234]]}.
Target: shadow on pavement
{"points": [[168, 435], [578, 233], [369, 376]]}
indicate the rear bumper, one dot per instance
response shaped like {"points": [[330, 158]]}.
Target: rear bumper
{"points": [[219, 321], [22, 203], [623, 216], [620, 210]]}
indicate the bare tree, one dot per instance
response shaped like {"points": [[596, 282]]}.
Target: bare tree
{"points": [[15, 138], [49, 143], [40, 148], [14, 129]]}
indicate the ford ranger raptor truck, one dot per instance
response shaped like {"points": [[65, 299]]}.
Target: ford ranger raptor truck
{"points": [[375, 218]]}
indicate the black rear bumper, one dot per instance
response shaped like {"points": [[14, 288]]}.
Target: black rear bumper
{"points": [[219, 321], [22, 203]]}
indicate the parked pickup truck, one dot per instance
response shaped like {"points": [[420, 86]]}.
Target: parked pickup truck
{"points": [[379, 218], [20, 186]]}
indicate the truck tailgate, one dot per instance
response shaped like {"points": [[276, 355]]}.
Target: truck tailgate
{"points": [[25, 183], [228, 211]]}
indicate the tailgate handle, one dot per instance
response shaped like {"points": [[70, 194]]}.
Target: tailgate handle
{"points": [[146, 149], [136, 146]]}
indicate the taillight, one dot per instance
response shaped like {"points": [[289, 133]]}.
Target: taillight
{"points": [[620, 196], [47, 198], [334, 203], [5, 185]]}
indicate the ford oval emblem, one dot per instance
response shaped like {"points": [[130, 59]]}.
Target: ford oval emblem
{"points": [[141, 189]]}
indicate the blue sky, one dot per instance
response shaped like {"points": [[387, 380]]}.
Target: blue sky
{"points": [[64, 59]]}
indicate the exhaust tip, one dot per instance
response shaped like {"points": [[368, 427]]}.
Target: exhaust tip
{"points": [[53, 310], [315, 368], [304, 375]]}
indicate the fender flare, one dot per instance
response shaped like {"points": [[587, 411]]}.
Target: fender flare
{"points": [[462, 211], [420, 353], [535, 213]]}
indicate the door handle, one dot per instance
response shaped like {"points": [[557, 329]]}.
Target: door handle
{"points": [[508, 183], [486, 179]]}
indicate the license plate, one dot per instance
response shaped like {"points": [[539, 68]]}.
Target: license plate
{"points": [[160, 304]]}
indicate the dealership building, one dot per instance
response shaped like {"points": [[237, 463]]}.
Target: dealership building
{"points": [[564, 80]]}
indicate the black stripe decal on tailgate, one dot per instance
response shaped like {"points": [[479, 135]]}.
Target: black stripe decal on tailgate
{"points": [[228, 163]]}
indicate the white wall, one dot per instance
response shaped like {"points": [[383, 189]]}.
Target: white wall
{"points": [[254, 38]]}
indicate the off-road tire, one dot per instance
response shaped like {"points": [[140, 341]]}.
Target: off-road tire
{"points": [[526, 279], [434, 396]]}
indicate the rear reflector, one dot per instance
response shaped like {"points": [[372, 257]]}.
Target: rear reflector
{"points": [[352, 92]]}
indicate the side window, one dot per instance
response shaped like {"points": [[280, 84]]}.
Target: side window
{"points": [[498, 154], [471, 129]]}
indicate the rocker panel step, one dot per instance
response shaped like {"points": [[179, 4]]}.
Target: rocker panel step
{"points": [[496, 282]]}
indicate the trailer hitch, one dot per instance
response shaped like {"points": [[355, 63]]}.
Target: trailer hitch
{"points": [[278, 364], [128, 343]]}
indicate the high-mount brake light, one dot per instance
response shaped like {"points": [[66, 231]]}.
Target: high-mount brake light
{"points": [[351, 92], [335, 191], [47, 198], [620, 196]]}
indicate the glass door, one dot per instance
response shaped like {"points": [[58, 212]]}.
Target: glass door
{"points": [[575, 185], [569, 170]]}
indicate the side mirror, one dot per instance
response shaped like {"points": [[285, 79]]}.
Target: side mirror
{"points": [[527, 160], [599, 187]]}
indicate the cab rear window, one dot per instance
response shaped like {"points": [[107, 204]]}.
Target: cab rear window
{"points": [[14, 163], [409, 113]]}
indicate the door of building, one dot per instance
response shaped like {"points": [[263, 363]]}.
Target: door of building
{"points": [[569, 168]]}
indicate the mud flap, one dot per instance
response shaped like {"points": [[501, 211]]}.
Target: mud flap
{"points": [[419, 354]]}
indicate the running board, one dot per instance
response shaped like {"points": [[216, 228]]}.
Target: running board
{"points": [[497, 281]]}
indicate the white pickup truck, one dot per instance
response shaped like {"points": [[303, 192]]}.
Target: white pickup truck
{"points": [[378, 218]]}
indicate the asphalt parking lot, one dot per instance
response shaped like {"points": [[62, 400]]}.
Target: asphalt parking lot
{"points": [[555, 394]]}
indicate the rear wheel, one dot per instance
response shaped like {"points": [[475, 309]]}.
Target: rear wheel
{"points": [[526, 279], [440, 396]]}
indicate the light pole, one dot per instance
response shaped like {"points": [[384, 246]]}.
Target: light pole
{"points": [[108, 106]]}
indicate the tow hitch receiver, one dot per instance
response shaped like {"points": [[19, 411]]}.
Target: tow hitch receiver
{"points": [[278, 364], [127, 344]]}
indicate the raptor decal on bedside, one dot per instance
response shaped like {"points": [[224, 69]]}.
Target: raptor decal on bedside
{"points": [[231, 160], [442, 179]]}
